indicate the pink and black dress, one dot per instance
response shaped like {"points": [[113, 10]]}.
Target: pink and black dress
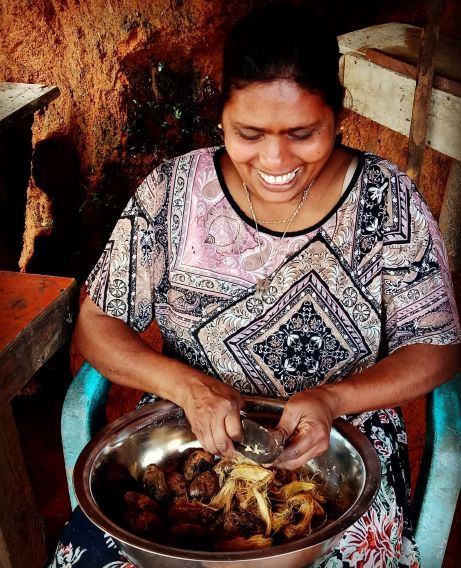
{"points": [[369, 278]]}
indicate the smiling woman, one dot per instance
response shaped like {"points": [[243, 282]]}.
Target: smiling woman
{"points": [[281, 264], [280, 140]]}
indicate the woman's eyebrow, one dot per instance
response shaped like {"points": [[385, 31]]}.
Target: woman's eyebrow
{"points": [[309, 126], [247, 126]]}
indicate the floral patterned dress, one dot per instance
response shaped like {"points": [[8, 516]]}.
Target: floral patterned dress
{"points": [[369, 278]]}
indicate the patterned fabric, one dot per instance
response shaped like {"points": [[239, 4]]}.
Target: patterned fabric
{"points": [[98, 550], [368, 279], [371, 277]]}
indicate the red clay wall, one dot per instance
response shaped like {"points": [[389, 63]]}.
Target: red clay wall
{"points": [[139, 81]]}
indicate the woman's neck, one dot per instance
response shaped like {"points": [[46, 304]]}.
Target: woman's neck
{"points": [[323, 196]]}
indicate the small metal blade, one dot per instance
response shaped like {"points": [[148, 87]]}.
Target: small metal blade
{"points": [[259, 444]]}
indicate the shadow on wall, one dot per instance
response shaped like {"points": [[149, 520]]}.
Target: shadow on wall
{"points": [[15, 155], [171, 108], [56, 171]]}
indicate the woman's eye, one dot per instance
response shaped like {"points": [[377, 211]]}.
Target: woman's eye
{"points": [[249, 135], [301, 134]]}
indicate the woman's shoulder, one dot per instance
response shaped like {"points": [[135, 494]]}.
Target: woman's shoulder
{"points": [[385, 186], [405, 204], [184, 162], [372, 162], [388, 176], [153, 192]]}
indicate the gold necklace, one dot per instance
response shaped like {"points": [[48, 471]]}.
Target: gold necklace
{"points": [[262, 222], [263, 283]]}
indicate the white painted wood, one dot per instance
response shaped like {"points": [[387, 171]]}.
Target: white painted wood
{"points": [[387, 98], [402, 41], [18, 100], [390, 38]]}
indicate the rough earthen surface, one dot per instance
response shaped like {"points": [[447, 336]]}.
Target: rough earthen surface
{"points": [[139, 82]]}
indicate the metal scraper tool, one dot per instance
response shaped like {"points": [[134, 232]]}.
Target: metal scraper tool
{"points": [[259, 443]]}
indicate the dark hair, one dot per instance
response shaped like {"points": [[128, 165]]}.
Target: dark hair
{"points": [[283, 41]]}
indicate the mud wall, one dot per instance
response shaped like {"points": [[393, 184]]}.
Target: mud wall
{"points": [[139, 82]]}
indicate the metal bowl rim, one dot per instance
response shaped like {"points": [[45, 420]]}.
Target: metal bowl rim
{"points": [[163, 410]]}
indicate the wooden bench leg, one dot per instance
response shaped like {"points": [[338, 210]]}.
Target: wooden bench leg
{"points": [[22, 540]]}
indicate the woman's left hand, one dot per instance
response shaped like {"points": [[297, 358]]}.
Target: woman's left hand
{"points": [[306, 423]]}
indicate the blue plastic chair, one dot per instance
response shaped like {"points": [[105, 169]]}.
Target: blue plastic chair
{"points": [[438, 482]]}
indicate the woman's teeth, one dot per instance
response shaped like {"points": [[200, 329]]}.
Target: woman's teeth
{"points": [[278, 180]]}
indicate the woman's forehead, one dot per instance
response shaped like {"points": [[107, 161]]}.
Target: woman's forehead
{"points": [[274, 101]]}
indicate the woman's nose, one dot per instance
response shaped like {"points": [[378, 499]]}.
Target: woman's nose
{"points": [[274, 154]]}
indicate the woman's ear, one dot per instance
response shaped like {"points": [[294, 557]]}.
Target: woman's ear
{"points": [[340, 118]]}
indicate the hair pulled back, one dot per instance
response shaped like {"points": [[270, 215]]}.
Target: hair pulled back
{"points": [[283, 41]]}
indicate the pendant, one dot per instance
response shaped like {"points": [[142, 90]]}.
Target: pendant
{"points": [[261, 286]]}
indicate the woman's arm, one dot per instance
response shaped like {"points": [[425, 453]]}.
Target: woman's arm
{"points": [[407, 374], [119, 353]]}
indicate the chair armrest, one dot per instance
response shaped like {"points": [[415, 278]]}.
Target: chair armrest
{"points": [[83, 414], [439, 478]]}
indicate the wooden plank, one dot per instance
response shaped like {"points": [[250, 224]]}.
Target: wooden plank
{"points": [[396, 38], [22, 540], [450, 216], [409, 69], [423, 91], [402, 41], [36, 319], [18, 100], [387, 98]]}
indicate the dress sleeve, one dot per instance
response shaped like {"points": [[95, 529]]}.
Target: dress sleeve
{"points": [[125, 279], [418, 299]]}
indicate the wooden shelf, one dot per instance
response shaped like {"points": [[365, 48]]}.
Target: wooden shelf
{"points": [[378, 69]]}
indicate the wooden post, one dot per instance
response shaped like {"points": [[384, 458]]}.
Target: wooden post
{"points": [[450, 216], [22, 538], [423, 90]]}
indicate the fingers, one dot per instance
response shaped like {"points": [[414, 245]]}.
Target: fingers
{"points": [[233, 426], [297, 453], [280, 435], [217, 423], [307, 431], [289, 422]]}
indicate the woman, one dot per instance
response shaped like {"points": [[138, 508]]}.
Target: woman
{"points": [[282, 264]]}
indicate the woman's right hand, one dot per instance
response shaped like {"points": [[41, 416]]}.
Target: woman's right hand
{"points": [[212, 407], [213, 410]]}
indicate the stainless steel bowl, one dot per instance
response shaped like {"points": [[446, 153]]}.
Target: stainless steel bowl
{"points": [[158, 432]]}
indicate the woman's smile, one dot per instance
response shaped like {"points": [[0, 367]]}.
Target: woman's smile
{"points": [[278, 137], [278, 179]]}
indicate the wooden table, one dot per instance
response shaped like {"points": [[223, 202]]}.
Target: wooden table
{"points": [[19, 100], [36, 319]]}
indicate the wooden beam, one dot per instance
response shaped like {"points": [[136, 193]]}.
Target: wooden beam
{"points": [[407, 68], [22, 540], [423, 91]]}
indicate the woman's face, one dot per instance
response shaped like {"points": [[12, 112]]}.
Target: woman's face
{"points": [[278, 136]]}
